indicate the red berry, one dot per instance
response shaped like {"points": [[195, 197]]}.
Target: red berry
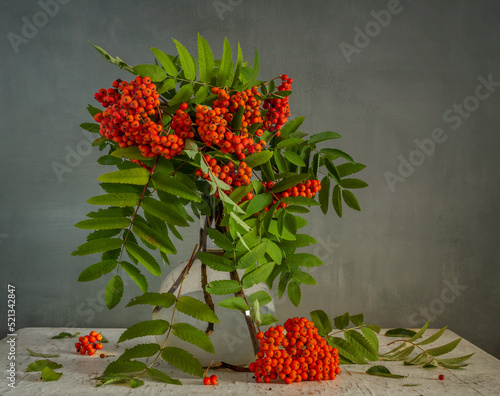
{"points": [[102, 355], [207, 381], [214, 379], [441, 377]]}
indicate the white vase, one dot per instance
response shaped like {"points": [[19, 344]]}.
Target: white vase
{"points": [[231, 337]]}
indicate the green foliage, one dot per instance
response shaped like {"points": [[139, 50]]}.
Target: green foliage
{"points": [[148, 327], [383, 371], [183, 360], [139, 351], [95, 271], [196, 309], [165, 300], [65, 334], [114, 291], [39, 365], [50, 375], [223, 287], [191, 334], [237, 303], [43, 355]]}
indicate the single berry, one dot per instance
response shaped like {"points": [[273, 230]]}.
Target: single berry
{"points": [[207, 381], [102, 355], [93, 333], [213, 379], [441, 377], [98, 345], [98, 337]]}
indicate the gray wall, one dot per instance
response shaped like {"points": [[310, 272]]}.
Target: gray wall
{"points": [[426, 242]]}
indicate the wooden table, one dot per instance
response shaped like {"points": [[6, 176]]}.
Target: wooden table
{"points": [[481, 377]]}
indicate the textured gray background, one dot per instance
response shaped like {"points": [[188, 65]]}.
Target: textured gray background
{"points": [[392, 261]]}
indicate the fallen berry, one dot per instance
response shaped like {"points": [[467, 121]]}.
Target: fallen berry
{"points": [[207, 381], [214, 380], [102, 355], [441, 377]]}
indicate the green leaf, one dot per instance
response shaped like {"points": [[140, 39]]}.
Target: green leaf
{"points": [[183, 360], [139, 351], [320, 137], [294, 293], [357, 320], [135, 275], [39, 365], [196, 309], [332, 170], [165, 300], [420, 332], [138, 176], [205, 60], [93, 110], [237, 303], [353, 183], [258, 203], [50, 375], [115, 199], [274, 251], [156, 73], [367, 348], [95, 271], [194, 336], [215, 262], [226, 65], [433, 337], [322, 322], [237, 69], [183, 95], [239, 192], [166, 61], [383, 371], [456, 360], [280, 162], [337, 200], [441, 350], [347, 350], [263, 297], [294, 158], [267, 319], [349, 169], [160, 376], [97, 246], [300, 201], [146, 328], [256, 159], [342, 321], [130, 152], [417, 360], [291, 126], [289, 142], [43, 355], [199, 97], [143, 257], [65, 334], [135, 383], [371, 337], [400, 355], [90, 126], [303, 277], [104, 223], [256, 66], [109, 160], [160, 241], [187, 62], [124, 366], [115, 61], [324, 194], [304, 260], [220, 239], [164, 211], [289, 181], [399, 332], [260, 274], [253, 256], [221, 287], [350, 199], [114, 291]]}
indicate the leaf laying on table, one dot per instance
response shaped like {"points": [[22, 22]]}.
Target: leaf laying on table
{"points": [[383, 371], [65, 335], [412, 384], [39, 365], [399, 332], [43, 355], [50, 375]]}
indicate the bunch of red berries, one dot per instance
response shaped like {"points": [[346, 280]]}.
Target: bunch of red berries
{"points": [[278, 109], [133, 118], [229, 173], [89, 344], [214, 124], [308, 189], [300, 354], [212, 380]]}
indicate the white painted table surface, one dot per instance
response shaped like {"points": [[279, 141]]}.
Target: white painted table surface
{"points": [[481, 377]]}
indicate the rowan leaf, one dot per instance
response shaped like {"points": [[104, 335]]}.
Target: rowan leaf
{"points": [[321, 137], [104, 223], [260, 274], [383, 371], [165, 300], [139, 351], [95, 271], [50, 375], [187, 62], [183, 360], [218, 263], [143, 257], [221, 287], [237, 303], [146, 328], [115, 199], [124, 366], [138, 176], [136, 275], [39, 365], [164, 182], [97, 246], [196, 309], [322, 322], [162, 377], [191, 334], [113, 292], [166, 61], [399, 332], [294, 293]]}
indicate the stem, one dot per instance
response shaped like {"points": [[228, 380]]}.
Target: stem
{"points": [[137, 209]]}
